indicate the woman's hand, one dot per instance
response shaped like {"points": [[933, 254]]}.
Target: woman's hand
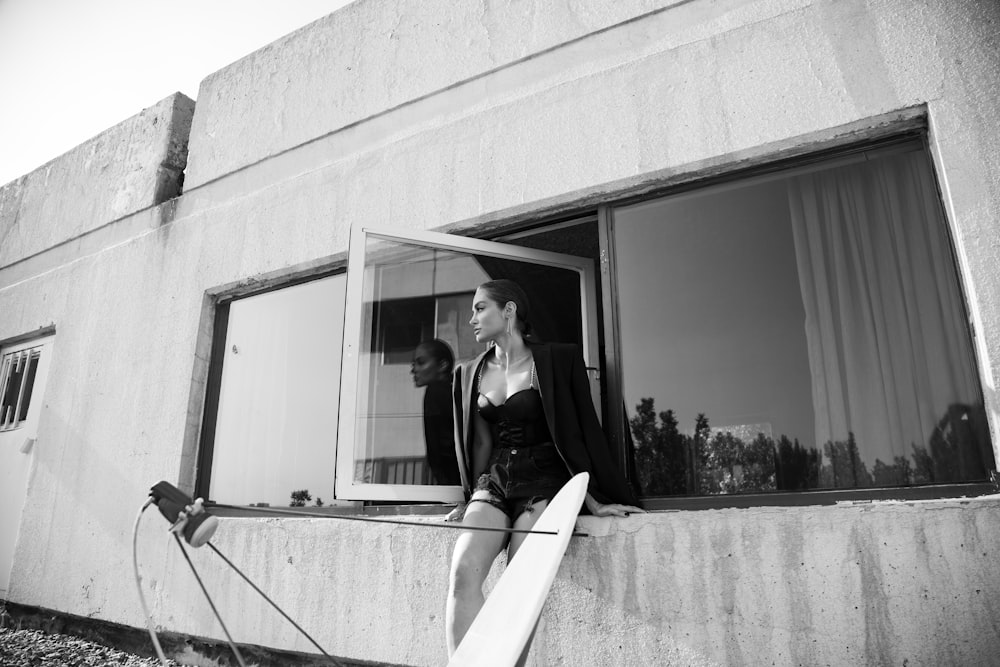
{"points": [[457, 514], [611, 509]]}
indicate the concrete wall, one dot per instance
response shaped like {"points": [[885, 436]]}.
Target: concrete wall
{"points": [[886, 583], [504, 114], [132, 166]]}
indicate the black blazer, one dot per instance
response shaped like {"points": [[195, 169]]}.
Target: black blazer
{"points": [[569, 412]]}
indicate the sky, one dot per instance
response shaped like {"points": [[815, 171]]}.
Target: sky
{"points": [[70, 69]]}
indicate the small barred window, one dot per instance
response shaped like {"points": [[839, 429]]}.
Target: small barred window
{"points": [[17, 380]]}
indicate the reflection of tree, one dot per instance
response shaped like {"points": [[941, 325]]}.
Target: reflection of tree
{"points": [[759, 465], [900, 473], [796, 468], [957, 451], [660, 451], [669, 462], [301, 497], [843, 467], [727, 464], [959, 445]]}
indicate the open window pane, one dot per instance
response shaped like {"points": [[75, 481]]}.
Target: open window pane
{"points": [[277, 414], [408, 294], [802, 331]]}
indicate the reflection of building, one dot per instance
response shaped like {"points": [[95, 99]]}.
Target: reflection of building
{"points": [[416, 299], [198, 332], [744, 432]]}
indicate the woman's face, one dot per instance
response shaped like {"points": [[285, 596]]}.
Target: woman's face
{"points": [[487, 320], [425, 369]]}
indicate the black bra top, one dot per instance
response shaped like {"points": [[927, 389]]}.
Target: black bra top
{"points": [[521, 406], [519, 421]]}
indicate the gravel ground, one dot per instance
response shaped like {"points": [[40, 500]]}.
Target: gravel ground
{"points": [[21, 648]]}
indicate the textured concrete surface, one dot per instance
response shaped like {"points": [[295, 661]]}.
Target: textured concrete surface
{"points": [[367, 58], [132, 166], [572, 107], [885, 583]]}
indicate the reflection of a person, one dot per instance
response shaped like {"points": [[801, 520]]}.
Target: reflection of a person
{"points": [[527, 424], [431, 368]]}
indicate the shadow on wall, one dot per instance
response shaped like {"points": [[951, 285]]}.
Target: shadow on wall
{"points": [[84, 503]]}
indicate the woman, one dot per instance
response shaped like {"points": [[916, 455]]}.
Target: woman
{"points": [[431, 368], [526, 424]]}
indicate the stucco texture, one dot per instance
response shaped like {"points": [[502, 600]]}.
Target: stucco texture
{"points": [[133, 166], [368, 58], [408, 115], [863, 584]]}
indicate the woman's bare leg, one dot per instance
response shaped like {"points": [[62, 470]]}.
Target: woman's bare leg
{"points": [[474, 553], [524, 522]]}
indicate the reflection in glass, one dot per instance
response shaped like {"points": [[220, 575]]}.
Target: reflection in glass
{"points": [[433, 363], [798, 332], [412, 296]]}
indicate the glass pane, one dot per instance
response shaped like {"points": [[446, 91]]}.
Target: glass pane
{"points": [[787, 334], [8, 394], [16, 365], [29, 385], [416, 304], [277, 421]]}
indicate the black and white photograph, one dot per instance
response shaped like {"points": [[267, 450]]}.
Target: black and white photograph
{"points": [[498, 333]]}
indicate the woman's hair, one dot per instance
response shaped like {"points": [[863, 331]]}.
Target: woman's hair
{"points": [[501, 291], [439, 351]]}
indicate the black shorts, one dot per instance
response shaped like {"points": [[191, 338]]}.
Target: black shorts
{"points": [[519, 477]]}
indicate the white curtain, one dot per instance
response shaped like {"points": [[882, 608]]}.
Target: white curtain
{"points": [[888, 345], [276, 427]]}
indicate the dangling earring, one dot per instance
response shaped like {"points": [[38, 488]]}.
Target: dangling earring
{"points": [[510, 327]]}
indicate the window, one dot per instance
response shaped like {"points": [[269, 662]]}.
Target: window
{"points": [[18, 376], [315, 401], [395, 438], [273, 432], [798, 331]]}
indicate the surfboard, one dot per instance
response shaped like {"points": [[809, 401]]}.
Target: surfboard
{"points": [[501, 631]]}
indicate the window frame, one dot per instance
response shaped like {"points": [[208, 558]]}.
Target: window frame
{"points": [[213, 379], [43, 345], [346, 487], [617, 428]]}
